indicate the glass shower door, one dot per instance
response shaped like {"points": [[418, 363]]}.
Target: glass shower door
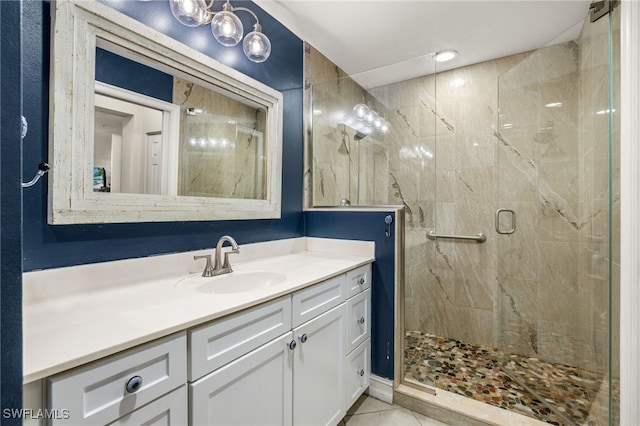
{"points": [[553, 211]]}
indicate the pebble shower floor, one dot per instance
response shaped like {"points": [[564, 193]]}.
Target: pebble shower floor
{"points": [[478, 372]]}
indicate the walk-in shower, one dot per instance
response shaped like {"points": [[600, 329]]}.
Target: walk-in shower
{"points": [[508, 174]]}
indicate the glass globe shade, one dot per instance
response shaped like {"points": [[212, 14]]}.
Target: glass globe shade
{"points": [[188, 12], [371, 117], [360, 111], [256, 45], [377, 122], [226, 27]]}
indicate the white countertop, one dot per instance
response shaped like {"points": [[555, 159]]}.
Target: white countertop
{"points": [[75, 315]]}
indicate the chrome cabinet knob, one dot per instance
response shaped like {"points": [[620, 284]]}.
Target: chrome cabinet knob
{"points": [[134, 384], [361, 321], [303, 338], [361, 281], [361, 373], [292, 344]]}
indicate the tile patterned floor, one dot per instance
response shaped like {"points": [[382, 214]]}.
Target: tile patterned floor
{"points": [[495, 377], [369, 411]]}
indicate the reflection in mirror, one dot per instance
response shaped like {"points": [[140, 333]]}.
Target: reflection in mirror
{"points": [[221, 144], [127, 148], [134, 142], [221, 139]]}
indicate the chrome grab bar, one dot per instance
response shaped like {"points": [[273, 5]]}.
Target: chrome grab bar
{"points": [[479, 237]]}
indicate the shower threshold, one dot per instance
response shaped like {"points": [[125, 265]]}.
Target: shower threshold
{"points": [[551, 393]]}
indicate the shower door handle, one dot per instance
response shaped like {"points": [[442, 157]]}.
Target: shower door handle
{"points": [[513, 221]]}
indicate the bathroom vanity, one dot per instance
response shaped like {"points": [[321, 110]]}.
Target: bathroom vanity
{"points": [[284, 339]]}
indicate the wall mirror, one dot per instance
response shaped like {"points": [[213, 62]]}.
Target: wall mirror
{"points": [[146, 129]]}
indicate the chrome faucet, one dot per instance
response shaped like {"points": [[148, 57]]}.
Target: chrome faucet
{"points": [[219, 267]]}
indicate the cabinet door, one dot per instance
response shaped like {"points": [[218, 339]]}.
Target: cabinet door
{"points": [[318, 380], [252, 390]]}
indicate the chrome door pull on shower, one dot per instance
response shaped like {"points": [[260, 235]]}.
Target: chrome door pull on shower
{"points": [[513, 221]]}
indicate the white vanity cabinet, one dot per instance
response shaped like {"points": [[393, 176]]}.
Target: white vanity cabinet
{"points": [[300, 359]]}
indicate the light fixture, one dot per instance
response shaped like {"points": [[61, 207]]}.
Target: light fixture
{"points": [[368, 119], [226, 28], [445, 55]]}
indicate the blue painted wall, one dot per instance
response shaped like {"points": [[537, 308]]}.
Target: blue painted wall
{"points": [[10, 216], [367, 226], [47, 246]]}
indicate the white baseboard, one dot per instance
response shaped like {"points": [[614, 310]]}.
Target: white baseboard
{"points": [[381, 388]]}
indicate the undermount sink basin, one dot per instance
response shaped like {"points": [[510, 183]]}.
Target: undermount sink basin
{"points": [[237, 282]]}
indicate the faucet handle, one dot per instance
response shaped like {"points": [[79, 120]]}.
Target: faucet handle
{"points": [[226, 265], [208, 269]]}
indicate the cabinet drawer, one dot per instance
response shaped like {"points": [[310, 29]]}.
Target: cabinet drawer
{"points": [[312, 301], [213, 345], [358, 280], [358, 372], [169, 410], [97, 393], [358, 319], [252, 390]]}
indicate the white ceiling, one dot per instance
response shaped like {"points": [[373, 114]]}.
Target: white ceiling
{"points": [[378, 42]]}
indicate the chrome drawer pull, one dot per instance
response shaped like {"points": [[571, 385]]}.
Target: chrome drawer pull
{"points": [[361, 320], [292, 344], [361, 373], [361, 281], [134, 384], [303, 338]]}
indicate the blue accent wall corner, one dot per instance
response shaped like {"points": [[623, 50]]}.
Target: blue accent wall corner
{"points": [[368, 226]]}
